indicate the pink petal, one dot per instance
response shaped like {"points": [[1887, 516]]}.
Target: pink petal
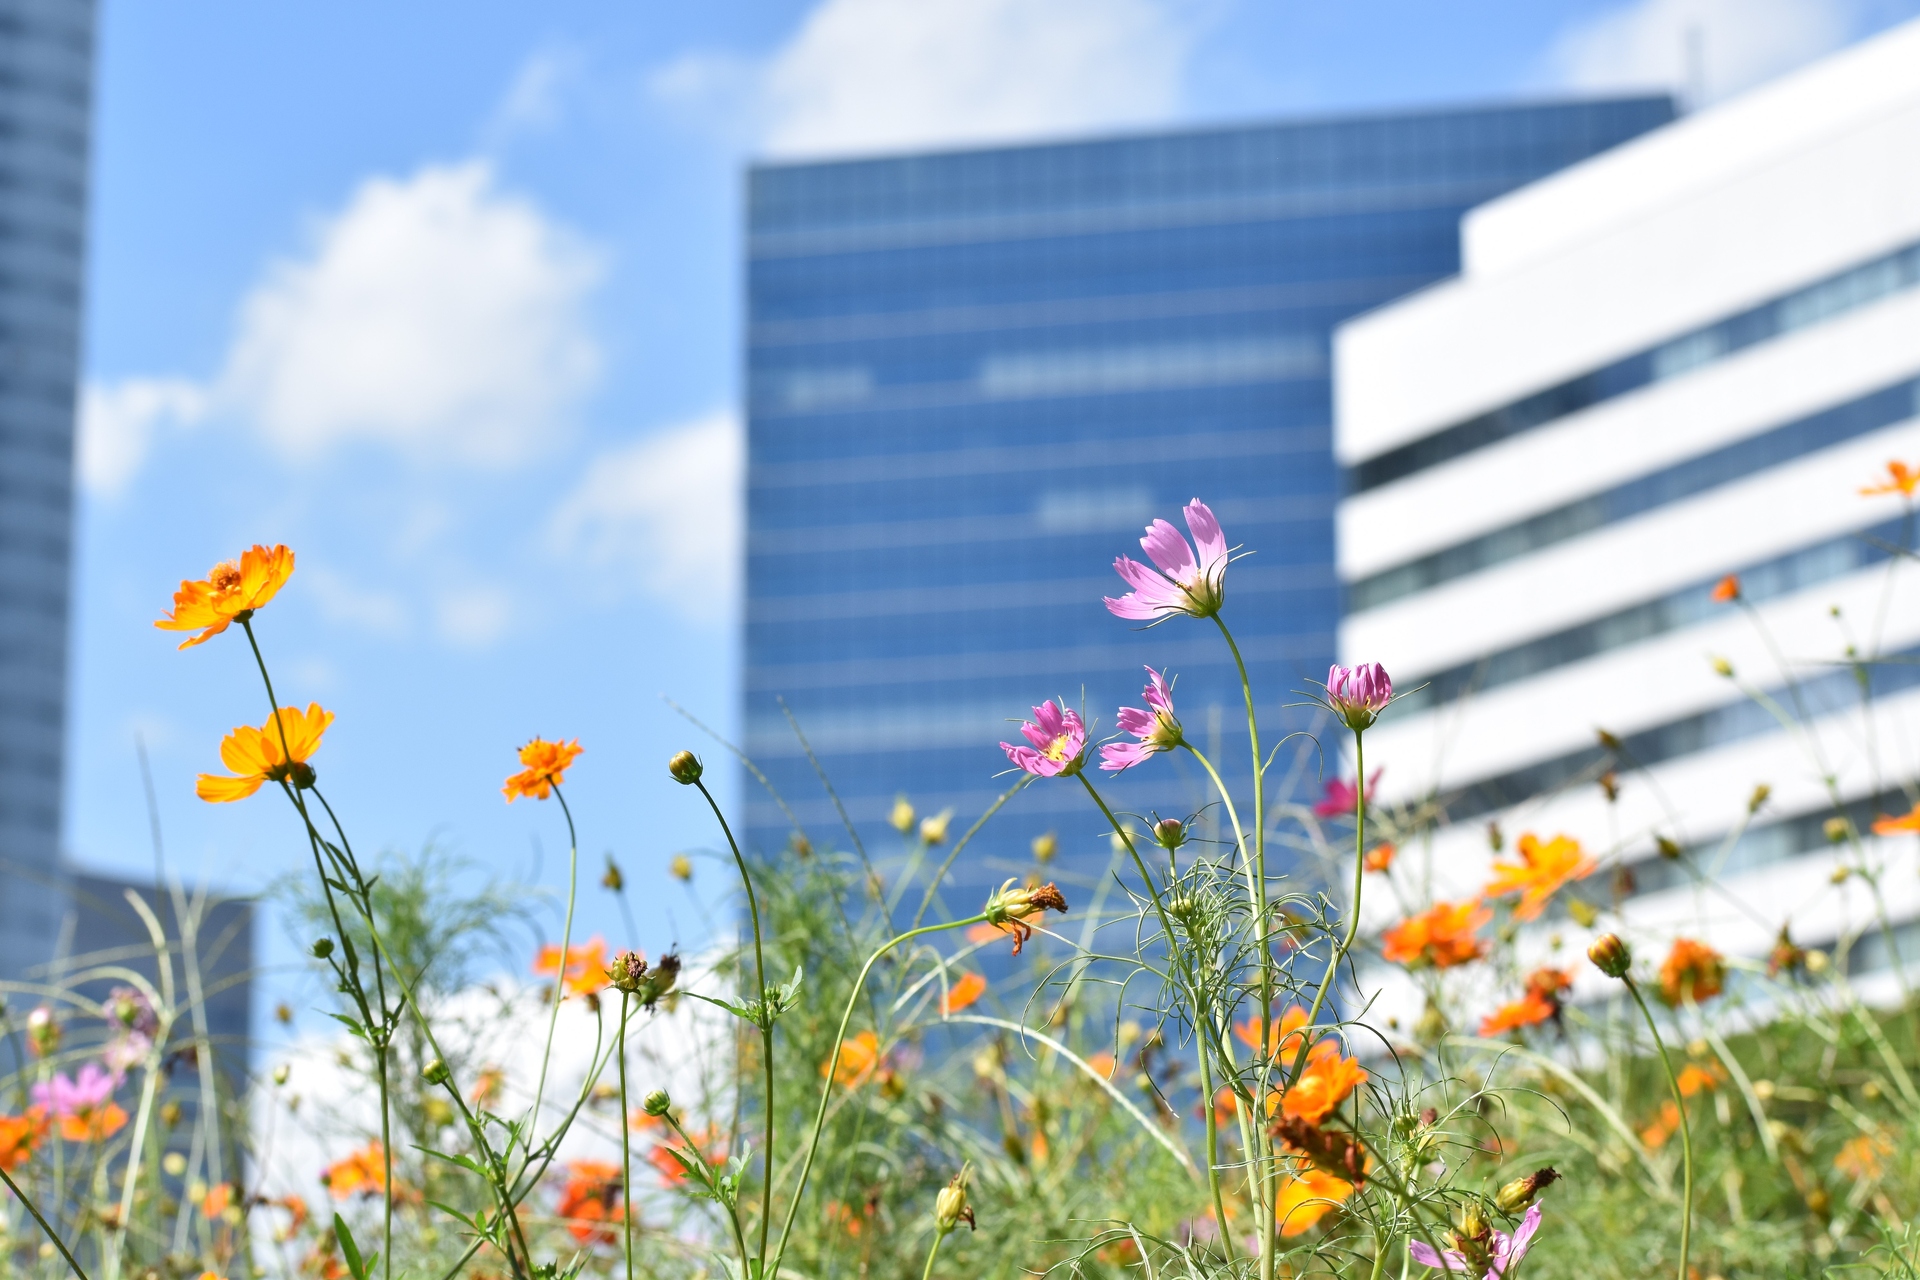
{"points": [[1025, 757], [1116, 756], [1157, 693], [1166, 548], [1039, 737], [1207, 537], [1426, 1257], [1135, 721]]}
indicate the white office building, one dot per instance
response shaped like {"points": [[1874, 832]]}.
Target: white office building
{"points": [[1679, 360]]}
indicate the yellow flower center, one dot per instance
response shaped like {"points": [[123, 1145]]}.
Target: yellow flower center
{"points": [[225, 576], [1057, 749]]}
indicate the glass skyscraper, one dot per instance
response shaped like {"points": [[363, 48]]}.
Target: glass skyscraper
{"points": [[46, 94], [973, 377]]}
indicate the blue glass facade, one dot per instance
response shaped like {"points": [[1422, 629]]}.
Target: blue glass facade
{"points": [[972, 378]]}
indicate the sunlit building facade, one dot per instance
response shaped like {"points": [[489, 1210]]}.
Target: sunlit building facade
{"points": [[46, 90], [1676, 362], [973, 377]]}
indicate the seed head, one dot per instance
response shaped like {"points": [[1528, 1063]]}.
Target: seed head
{"points": [[1610, 955], [1520, 1193], [685, 768], [628, 971]]}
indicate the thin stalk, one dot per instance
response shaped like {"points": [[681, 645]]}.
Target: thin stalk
{"points": [[560, 979], [833, 1065], [766, 1026], [626, 1140], [926, 1272], [1686, 1134], [1213, 1151], [58, 1243]]}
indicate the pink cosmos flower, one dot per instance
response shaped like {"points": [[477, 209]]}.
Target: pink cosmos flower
{"points": [[1155, 727], [66, 1097], [1357, 694], [1507, 1250], [1340, 797], [1059, 743], [1182, 583]]}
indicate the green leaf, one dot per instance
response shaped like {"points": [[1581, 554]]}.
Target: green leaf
{"points": [[344, 1234]]}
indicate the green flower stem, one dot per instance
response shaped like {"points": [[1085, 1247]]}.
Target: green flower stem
{"points": [[766, 1029], [626, 1139], [1213, 1152], [833, 1065], [1686, 1134], [926, 1273], [52, 1235]]}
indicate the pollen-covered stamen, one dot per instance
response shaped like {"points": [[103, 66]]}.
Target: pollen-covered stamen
{"points": [[224, 576]]}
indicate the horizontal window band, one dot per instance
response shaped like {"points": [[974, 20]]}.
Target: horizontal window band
{"points": [[1836, 690], [1635, 497], [1761, 581], [1824, 300]]}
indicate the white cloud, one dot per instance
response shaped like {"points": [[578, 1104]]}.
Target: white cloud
{"points": [[666, 511], [473, 617], [868, 74], [381, 613], [117, 423], [1737, 43], [436, 314], [533, 101]]}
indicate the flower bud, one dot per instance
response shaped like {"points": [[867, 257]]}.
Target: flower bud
{"points": [[321, 948], [934, 830], [1045, 847], [628, 971], [1520, 1193], [43, 1032], [901, 819], [685, 768], [1610, 955], [281, 1072], [1669, 849], [613, 879], [1721, 667], [659, 980], [1169, 833], [1357, 695], [436, 1072], [1837, 830], [801, 846], [1759, 797], [950, 1207], [681, 868], [657, 1103]]}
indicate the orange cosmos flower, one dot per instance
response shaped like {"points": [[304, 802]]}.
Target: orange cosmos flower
{"points": [[1726, 590], [1380, 857], [1308, 1197], [858, 1058], [362, 1173], [1541, 871], [1324, 1085], [218, 1198], [1441, 936], [983, 932], [1692, 971], [258, 757], [1695, 1079], [1901, 479], [590, 1199], [1663, 1126], [1859, 1157], [1103, 1064], [1889, 826], [962, 993], [19, 1135], [1528, 1011], [228, 594], [486, 1086], [1280, 1033], [94, 1123], [586, 968], [546, 768]]}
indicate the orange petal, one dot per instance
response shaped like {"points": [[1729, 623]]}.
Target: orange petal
{"points": [[215, 789], [246, 750]]}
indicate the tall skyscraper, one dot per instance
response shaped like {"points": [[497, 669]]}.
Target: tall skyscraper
{"points": [[974, 376], [46, 94], [1678, 361]]}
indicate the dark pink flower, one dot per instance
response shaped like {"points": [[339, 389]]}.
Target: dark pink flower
{"points": [[1340, 797], [1154, 727], [64, 1097], [1357, 694], [1059, 743], [1182, 582], [1507, 1250]]}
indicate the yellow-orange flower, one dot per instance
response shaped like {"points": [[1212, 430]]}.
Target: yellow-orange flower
{"points": [[1726, 590], [1528, 1011], [1692, 971], [362, 1173], [1890, 826], [546, 768], [1541, 871], [257, 755], [1324, 1085], [858, 1058], [228, 594], [590, 1199], [219, 1198], [1308, 1197], [1901, 479], [1380, 857], [1695, 1079], [94, 1123], [1281, 1035], [962, 993], [19, 1135], [1859, 1157], [1663, 1126], [586, 968], [1441, 936]]}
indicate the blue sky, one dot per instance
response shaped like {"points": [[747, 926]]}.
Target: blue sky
{"points": [[446, 296]]}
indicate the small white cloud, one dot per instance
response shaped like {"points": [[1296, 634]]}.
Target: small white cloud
{"points": [[1726, 45], [473, 617], [117, 423], [869, 74], [532, 101], [437, 315], [666, 511]]}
